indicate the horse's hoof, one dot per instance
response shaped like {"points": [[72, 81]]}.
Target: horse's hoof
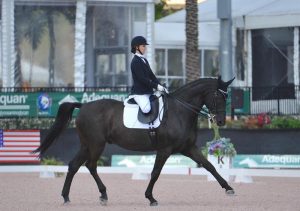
{"points": [[67, 202], [230, 192], [103, 202], [155, 203]]}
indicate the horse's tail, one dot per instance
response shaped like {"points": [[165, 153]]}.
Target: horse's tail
{"points": [[62, 119]]}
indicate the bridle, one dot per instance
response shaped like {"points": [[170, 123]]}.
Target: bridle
{"points": [[215, 109], [209, 114]]}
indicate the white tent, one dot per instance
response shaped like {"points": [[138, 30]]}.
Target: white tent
{"points": [[247, 14], [278, 13], [173, 34]]}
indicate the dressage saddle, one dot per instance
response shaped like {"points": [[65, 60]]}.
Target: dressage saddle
{"points": [[150, 116]]}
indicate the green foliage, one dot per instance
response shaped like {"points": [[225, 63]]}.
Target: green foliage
{"points": [[51, 161], [253, 122], [284, 123], [56, 162], [102, 161], [161, 10], [246, 122], [29, 123]]}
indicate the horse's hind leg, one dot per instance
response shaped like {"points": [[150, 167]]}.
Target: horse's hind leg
{"points": [[197, 156], [74, 165], [160, 160], [91, 164]]}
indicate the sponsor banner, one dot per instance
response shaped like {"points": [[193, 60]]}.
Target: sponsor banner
{"points": [[56, 99], [16, 104], [46, 104], [266, 161], [148, 161]]}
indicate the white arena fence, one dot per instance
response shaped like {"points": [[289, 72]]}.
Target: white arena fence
{"points": [[237, 175]]}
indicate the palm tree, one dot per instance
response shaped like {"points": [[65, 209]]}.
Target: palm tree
{"points": [[25, 29], [52, 42], [34, 34], [50, 13], [38, 20], [191, 30]]}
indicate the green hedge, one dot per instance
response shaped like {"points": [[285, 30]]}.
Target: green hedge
{"points": [[284, 123], [277, 122], [29, 123], [251, 122]]}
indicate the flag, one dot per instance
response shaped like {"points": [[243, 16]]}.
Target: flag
{"points": [[16, 146]]}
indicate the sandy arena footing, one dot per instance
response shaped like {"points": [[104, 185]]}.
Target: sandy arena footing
{"points": [[27, 191]]}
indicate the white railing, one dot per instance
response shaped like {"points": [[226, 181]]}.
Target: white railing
{"points": [[237, 175]]}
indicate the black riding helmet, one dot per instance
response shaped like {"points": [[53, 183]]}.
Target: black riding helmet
{"points": [[136, 41]]}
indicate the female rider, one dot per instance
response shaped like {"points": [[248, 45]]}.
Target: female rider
{"points": [[144, 80]]}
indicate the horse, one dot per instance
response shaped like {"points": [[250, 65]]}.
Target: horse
{"points": [[100, 122]]}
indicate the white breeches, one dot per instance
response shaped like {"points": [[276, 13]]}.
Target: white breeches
{"points": [[144, 102]]}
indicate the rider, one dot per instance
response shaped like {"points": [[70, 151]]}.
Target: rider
{"points": [[144, 80]]}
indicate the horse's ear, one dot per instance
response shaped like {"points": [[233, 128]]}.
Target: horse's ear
{"points": [[224, 85], [229, 82]]}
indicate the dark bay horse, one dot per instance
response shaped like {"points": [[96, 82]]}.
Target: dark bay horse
{"points": [[100, 122]]}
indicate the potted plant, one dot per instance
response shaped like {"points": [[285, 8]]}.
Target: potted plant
{"points": [[220, 150]]}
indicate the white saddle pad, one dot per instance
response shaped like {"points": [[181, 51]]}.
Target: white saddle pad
{"points": [[130, 114]]}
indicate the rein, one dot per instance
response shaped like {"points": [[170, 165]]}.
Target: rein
{"points": [[195, 109]]}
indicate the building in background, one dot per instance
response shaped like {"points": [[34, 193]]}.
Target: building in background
{"points": [[86, 43], [265, 50], [265, 43], [81, 43]]}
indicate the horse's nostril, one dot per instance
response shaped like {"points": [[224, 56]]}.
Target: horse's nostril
{"points": [[220, 123]]}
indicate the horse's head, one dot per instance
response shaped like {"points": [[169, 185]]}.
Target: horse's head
{"points": [[215, 101]]}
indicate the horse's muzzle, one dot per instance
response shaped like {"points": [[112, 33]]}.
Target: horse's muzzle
{"points": [[221, 123], [220, 120]]}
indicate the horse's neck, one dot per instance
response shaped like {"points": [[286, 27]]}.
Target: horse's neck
{"points": [[195, 93]]}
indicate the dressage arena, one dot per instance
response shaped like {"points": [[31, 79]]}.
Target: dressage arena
{"points": [[27, 191]]}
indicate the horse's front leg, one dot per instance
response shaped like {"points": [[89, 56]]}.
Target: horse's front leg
{"points": [[161, 158], [195, 154]]}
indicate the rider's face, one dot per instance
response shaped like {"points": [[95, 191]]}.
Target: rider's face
{"points": [[142, 48]]}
